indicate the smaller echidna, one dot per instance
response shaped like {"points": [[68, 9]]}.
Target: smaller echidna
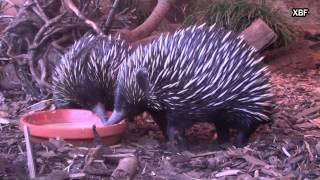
{"points": [[87, 72], [202, 73]]}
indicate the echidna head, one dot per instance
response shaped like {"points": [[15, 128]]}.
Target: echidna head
{"points": [[131, 95]]}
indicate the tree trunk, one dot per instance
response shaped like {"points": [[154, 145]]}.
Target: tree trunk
{"points": [[151, 23]]}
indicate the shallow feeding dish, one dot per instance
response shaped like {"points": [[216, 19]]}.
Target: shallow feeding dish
{"points": [[73, 125]]}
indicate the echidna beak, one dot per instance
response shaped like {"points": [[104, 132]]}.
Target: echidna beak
{"points": [[100, 112], [115, 118]]}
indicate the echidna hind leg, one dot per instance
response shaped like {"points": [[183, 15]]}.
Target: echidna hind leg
{"points": [[222, 131], [175, 132], [161, 120]]}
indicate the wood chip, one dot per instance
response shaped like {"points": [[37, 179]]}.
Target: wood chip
{"points": [[4, 121], [254, 160], [270, 172], [296, 159], [306, 125], [77, 175], [309, 150], [318, 148], [286, 152], [230, 172], [309, 111], [39, 106], [316, 122]]}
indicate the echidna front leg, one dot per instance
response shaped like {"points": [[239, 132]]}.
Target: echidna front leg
{"points": [[245, 129]]}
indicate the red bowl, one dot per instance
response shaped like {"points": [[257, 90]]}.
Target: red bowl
{"points": [[70, 124]]}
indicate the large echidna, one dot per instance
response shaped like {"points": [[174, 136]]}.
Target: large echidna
{"points": [[87, 72], [197, 74]]}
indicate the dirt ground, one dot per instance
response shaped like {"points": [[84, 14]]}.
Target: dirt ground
{"points": [[289, 149]]}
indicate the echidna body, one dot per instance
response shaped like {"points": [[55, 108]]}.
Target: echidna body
{"points": [[87, 72], [202, 73]]}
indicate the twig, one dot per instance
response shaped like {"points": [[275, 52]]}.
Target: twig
{"points": [[118, 155], [97, 138], [31, 64], [31, 165], [111, 16], [36, 43], [92, 24], [40, 11], [309, 150], [286, 152], [12, 4], [91, 156], [6, 16]]}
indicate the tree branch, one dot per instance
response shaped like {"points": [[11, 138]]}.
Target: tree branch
{"points": [[92, 24], [151, 23]]}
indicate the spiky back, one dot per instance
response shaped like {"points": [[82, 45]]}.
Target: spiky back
{"points": [[199, 70], [87, 71]]}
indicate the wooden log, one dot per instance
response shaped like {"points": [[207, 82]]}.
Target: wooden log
{"points": [[259, 35]]}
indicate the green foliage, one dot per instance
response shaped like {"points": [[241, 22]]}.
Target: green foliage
{"points": [[237, 15]]}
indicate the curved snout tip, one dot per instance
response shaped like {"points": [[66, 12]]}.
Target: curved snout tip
{"points": [[115, 118]]}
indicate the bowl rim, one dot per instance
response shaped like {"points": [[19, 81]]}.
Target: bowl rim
{"points": [[69, 133]]}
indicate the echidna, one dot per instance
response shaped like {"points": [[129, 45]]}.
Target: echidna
{"points": [[87, 72], [201, 73]]}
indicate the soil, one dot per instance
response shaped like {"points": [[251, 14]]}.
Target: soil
{"points": [[288, 149]]}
